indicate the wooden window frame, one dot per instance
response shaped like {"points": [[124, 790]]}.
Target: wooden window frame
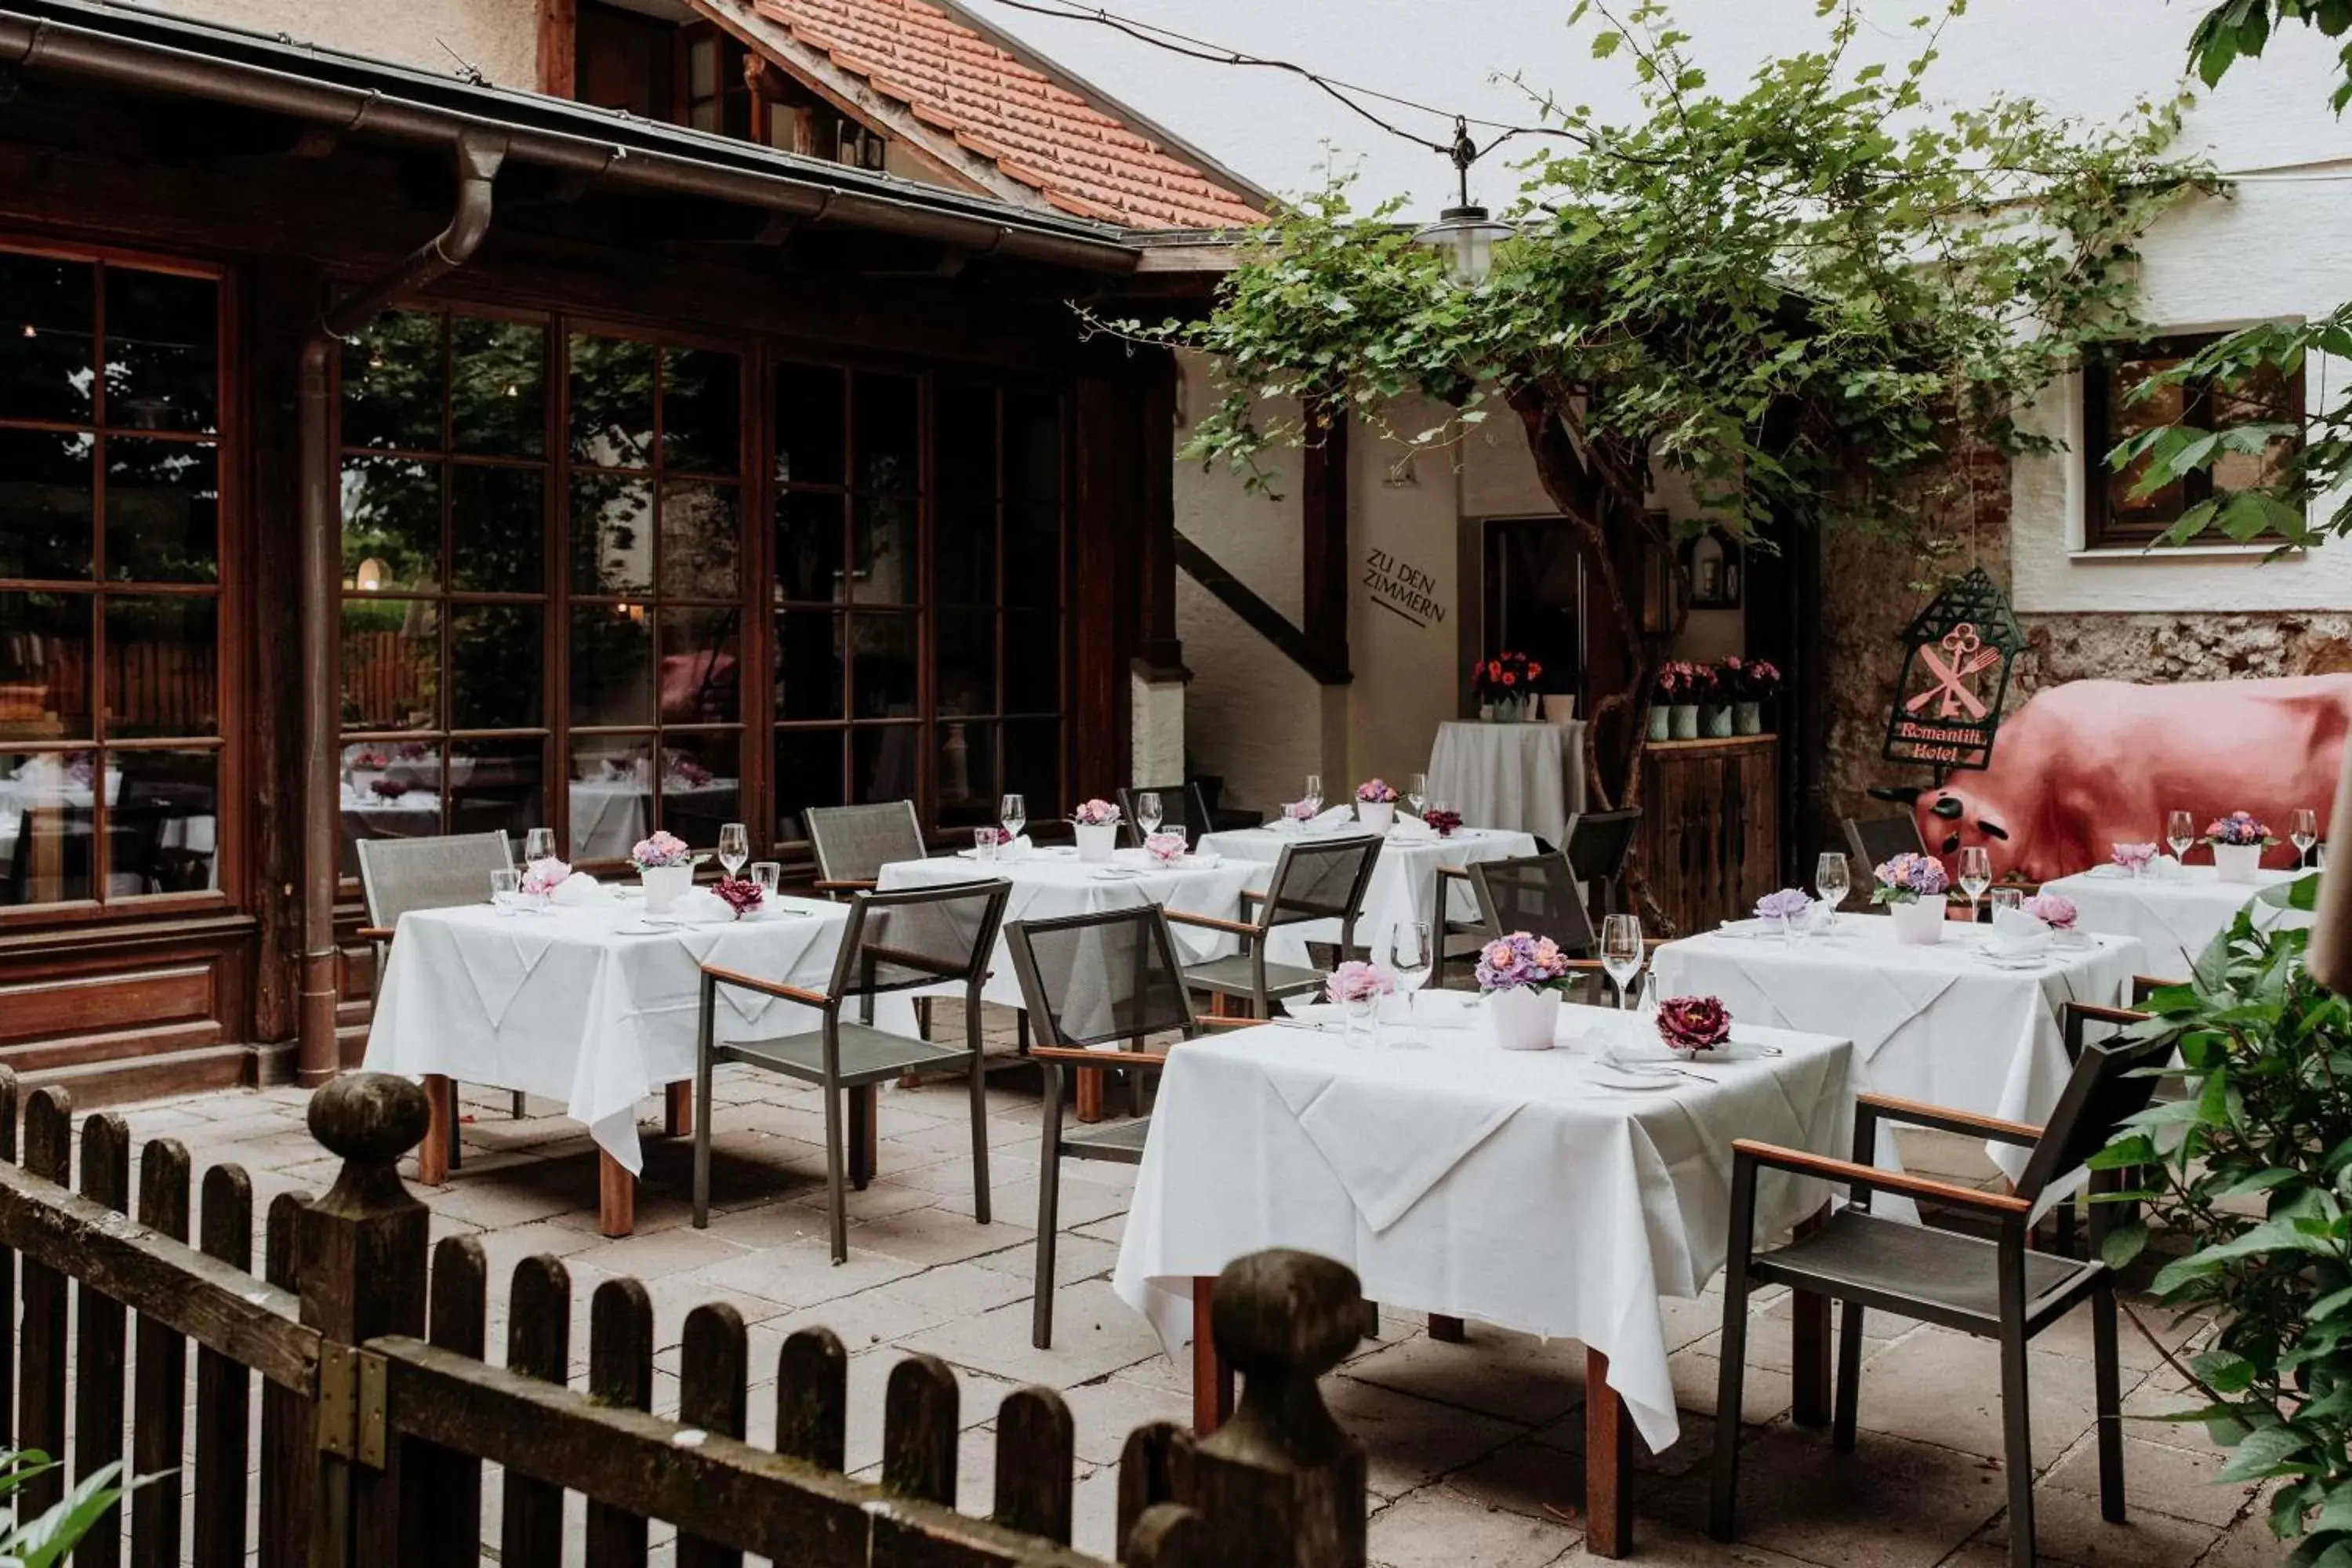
{"points": [[2102, 529]]}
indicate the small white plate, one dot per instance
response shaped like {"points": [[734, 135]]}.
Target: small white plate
{"points": [[643, 929], [1602, 1076]]}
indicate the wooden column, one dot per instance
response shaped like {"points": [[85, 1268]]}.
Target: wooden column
{"points": [[1158, 648], [559, 46], [1323, 545], [1099, 521]]}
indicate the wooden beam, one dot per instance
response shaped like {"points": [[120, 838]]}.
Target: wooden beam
{"points": [[1323, 552], [1260, 617], [1209, 259], [559, 46], [1159, 650]]}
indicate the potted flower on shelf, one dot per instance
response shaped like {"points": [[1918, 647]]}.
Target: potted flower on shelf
{"points": [[2238, 841], [1913, 889], [1666, 692], [1698, 692], [1097, 822], [1506, 686], [1376, 805], [665, 870], [1523, 977], [1750, 683]]}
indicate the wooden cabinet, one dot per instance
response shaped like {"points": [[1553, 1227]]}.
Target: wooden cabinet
{"points": [[1710, 839]]}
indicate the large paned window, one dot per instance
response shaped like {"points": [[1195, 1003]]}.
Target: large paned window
{"points": [[2116, 515], [111, 631]]}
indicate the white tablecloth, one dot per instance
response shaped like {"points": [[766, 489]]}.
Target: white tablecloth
{"points": [[1048, 885], [2176, 916], [1938, 1024], [609, 815], [1404, 882], [1528, 778], [562, 1004], [1473, 1182]]}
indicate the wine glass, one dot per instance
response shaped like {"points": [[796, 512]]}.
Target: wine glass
{"points": [[1313, 798], [1976, 875], [1832, 879], [1621, 951], [1409, 959], [538, 843], [1148, 816], [1013, 812], [734, 847], [1416, 794], [2303, 832], [2180, 832]]}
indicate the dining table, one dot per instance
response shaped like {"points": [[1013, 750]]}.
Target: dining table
{"points": [[1404, 884], [588, 1004], [2175, 911], [1949, 1022], [1526, 777], [1565, 1193]]}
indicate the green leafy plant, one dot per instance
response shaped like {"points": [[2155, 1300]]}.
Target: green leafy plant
{"points": [[42, 1541], [2251, 1166]]}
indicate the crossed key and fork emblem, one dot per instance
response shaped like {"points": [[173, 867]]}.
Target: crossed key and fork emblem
{"points": [[1954, 674]]}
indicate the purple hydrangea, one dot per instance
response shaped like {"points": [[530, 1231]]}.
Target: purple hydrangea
{"points": [[2240, 828], [1520, 959], [1787, 904], [1908, 878]]}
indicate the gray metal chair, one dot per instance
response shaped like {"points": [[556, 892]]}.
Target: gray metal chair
{"points": [[1875, 840], [1092, 980], [1314, 881], [1181, 805], [2000, 1289], [893, 942], [852, 843], [1533, 893], [1599, 844], [397, 875]]}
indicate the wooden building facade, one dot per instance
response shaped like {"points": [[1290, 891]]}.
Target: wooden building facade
{"points": [[382, 454]]}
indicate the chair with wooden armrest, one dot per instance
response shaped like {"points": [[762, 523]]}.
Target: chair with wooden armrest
{"points": [[397, 875], [2000, 1289], [1092, 980], [893, 942], [1314, 881], [2076, 1021], [1598, 844], [1182, 805]]}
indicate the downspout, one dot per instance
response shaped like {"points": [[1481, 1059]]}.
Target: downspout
{"points": [[317, 1055]]}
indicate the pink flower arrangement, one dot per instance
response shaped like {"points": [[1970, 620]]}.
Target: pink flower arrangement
{"points": [[363, 757], [1376, 791], [1443, 820], [1356, 981], [2132, 858], [1095, 814], [663, 848], [1909, 878], [1504, 675], [741, 893], [1299, 811], [1694, 1023], [1748, 679], [541, 878], [1522, 960], [687, 772], [387, 789], [2055, 910], [1166, 848], [1680, 681], [996, 835], [2240, 828]]}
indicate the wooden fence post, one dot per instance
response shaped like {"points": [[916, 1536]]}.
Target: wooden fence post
{"points": [[1280, 1485], [361, 1249]]}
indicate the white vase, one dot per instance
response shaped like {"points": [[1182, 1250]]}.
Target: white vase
{"points": [[663, 885], [1377, 815], [2237, 862], [1524, 1018], [1920, 922], [1097, 840]]}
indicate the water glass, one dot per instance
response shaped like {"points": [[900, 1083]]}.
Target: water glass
{"points": [[1147, 812], [538, 843], [2303, 832], [1621, 951], [505, 888], [734, 847], [2180, 832], [983, 844], [765, 874], [2007, 899], [1409, 959], [1416, 794], [1013, 812], [1832, 879], [1313, 798]]}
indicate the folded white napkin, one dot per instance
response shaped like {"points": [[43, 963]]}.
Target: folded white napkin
{"points": [[2165, 868], [580, 890], [1204, 855], [2016, 935], [1335, 815], [1411, 829], [700, 906]]}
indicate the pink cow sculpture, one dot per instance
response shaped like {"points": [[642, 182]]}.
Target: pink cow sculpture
{"points": [[2090, 763]]}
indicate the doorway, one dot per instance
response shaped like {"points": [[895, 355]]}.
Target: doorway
{"points": [[1533, 598]]}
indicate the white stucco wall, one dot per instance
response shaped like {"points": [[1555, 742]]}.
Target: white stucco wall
{"points": [[498, 37]]}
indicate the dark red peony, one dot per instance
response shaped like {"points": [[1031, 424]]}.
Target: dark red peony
{"points": [[1442, 821], [741, 893], [1694, 1023]]}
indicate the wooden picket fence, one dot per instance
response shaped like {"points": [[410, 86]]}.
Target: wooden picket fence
{"points": [[379, 1408]]}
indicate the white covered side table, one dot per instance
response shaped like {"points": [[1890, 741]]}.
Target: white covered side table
{"points": [[1523, 778]]}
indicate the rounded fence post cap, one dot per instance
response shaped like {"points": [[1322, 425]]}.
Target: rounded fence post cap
{"points": [[1285, 1311], [372, 1118]]}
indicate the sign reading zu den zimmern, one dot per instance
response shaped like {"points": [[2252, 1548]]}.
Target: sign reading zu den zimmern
{"points": [[1956, 657], [1402, 588]]}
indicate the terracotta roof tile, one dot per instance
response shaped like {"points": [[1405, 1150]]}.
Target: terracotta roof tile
{"points": [[1077, 157]]}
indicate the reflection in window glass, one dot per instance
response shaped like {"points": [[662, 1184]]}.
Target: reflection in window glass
{"points": [[612, 664], [811, 433], [966, 793], [163, 823], [963, 553], [612, 794], [161, 336], [496, 529], [701, 784], [391, 524], [964, 446], [48, 819], [162, 675], [391, 383], [702, 412], [611, 402], [963, 662], [884, 425], [698, 539], [44, 644], [392, 663], [809, 533], [808, 683], [1033, 663], [1033, 448], [163, 510], [882, 559], [882, 649], [612, 534], [495, 667], [807, 772], [45, 504], [497, 786], [48, 319], [1032, 556], [498, 387], [884, 761], [1032, 760], [700, 670]]}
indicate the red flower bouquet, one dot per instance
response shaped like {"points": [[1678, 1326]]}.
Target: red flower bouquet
{"points": [[1694, 1023]]}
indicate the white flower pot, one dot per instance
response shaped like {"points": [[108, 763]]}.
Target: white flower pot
{"points": [[1377, 815], [1921, 922], [2237, 862], [1524, 1018], [663, 885], [1097, 840]]}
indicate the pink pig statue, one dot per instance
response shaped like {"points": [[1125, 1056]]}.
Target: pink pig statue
{"points": [[2085, 764]]}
